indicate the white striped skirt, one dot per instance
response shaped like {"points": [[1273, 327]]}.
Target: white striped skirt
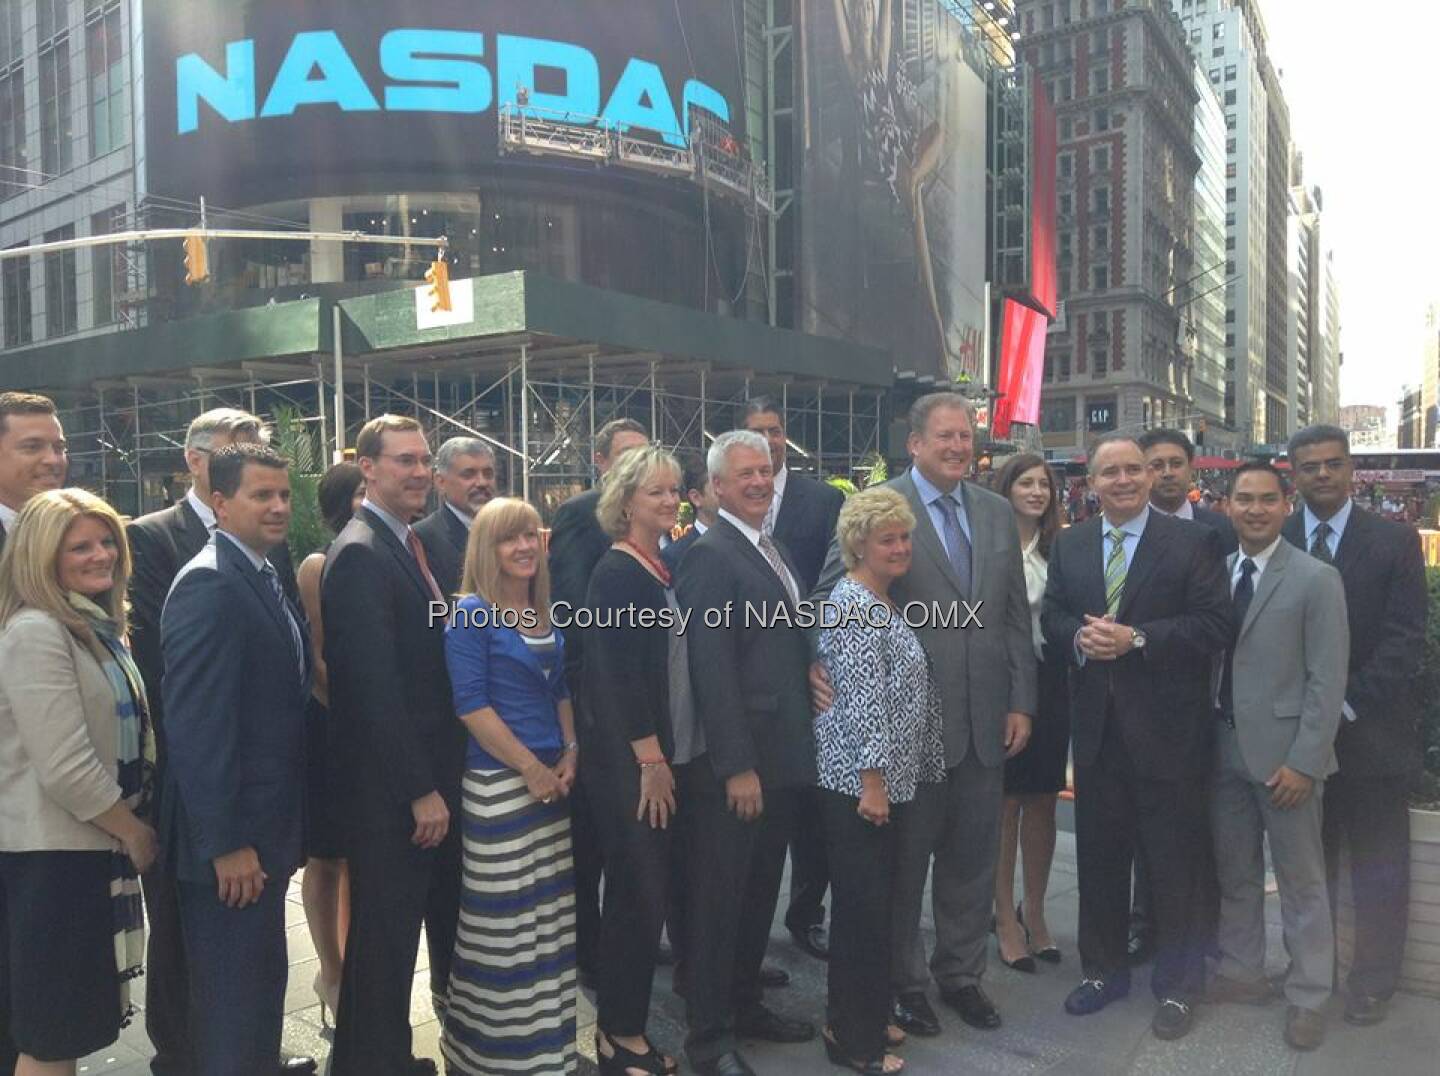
{"points": [[512, 984]]}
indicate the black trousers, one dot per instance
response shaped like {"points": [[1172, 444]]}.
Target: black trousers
{"points": [[638, 867], [1116, 810], [167, 983], [863, 857], [732, 880], [8, 1053], [394, 887], [587, 855], [809, 865], [1369, 816], [1141, 900]]}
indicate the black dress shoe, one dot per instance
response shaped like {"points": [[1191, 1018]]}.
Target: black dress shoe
{"points": [[974, 1007], [813, 941], [758, 1022], [1092, 995], [297, 1066], [731, 1064], [772, 976], [913, 1013], [1365, 1010], [1141, 946], [1172, 1019]]}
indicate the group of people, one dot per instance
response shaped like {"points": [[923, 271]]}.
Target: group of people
{"points": [[423, 721]]}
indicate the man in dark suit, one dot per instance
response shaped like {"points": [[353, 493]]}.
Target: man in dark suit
{"points": [[700, 492], [1378, 749], [237, 673], [161, 543], [401, 749], [576, 545], [465, 480], [751, 698], [802, 519], [33, 458], [1170, 455], [1139, 603]]}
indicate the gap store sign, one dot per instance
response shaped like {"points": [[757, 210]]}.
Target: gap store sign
{"points": [[252, 101]]}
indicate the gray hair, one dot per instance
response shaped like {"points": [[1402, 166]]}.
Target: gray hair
{"points": [[460, 446], [227, 422], [721, 447], [922, 408]]}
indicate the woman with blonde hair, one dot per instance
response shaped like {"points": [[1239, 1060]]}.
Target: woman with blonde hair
{"points": [[512, 985], [76, 763]]}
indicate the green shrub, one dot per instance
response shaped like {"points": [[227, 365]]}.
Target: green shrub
{"points": [[297, 443]]}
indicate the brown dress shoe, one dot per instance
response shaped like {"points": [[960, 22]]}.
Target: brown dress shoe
{"points": [[1304, 1028]]}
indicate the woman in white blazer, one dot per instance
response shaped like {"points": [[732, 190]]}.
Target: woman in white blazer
{"points": [[76, 755]]}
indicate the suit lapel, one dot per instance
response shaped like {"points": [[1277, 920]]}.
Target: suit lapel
{"points": [[1147, 554], [458, 532], [194, 534], [236, 562], [1294, 528], [1353, 540], [1270, 579], [925, 536], [757, 559], [1093, 573], [403, 556], [976, 560]]}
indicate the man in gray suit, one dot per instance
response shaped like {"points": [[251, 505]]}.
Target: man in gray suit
{"points": [[1282, 687], [967, 549]]}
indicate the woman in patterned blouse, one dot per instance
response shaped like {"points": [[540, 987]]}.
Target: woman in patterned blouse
{"points": [[876, 742]]}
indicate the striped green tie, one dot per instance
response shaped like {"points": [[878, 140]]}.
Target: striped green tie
{"points": [[1115, 570]]}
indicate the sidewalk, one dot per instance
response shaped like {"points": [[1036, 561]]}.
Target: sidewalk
{"points": [[1038, 1037]]}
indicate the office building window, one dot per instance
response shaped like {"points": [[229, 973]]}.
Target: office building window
{"points": [[1102, 119], [105, 73], [1099, 362], [1101, 197], [1215, 75], [103, 266], [1230, 96], [61, 315], [12, 31], [51, 18], [56, 154], [1065, 165], [13, 158], [1100, 159], [1230, 194], [15, 284], [1064, 205], [1217, 31], [1067, 129], [1230, 73], [1100, 81], [1100, 239], [1217, 52], [1100, 277]]}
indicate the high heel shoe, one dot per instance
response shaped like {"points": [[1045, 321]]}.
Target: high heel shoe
{"points": [[873, 1067], [1049, 954], [621, 1060], [329, 999], [1023, 963]]}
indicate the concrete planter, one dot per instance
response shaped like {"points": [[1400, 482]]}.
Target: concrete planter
{"points": [[1420, 973]]}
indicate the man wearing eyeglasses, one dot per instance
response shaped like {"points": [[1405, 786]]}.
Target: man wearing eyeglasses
{"points": [[401, 751], [1378, 748]]}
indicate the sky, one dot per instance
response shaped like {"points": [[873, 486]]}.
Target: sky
{"points": [[1362, 83]]}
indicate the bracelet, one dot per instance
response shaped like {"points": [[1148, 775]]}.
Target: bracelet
{"points": [[648, 763], [573, 745]]}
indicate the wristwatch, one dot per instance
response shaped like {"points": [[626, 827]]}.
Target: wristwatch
{"points": [[1137, 639]]}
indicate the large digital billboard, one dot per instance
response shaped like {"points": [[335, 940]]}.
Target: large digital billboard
{"points": [[892, 206], [1022, 365], [1044, 145], [250, 101]]}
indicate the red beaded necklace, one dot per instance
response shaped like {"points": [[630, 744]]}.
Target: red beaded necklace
{"points": [[656, 566]]}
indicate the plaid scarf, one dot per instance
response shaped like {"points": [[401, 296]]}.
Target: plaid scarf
{"points": [[135, 755]]}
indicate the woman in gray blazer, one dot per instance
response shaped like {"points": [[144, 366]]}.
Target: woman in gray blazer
{"points": [[76, 754]]}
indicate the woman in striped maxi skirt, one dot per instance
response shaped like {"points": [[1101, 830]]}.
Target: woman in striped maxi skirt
{"points": [[512, 984]]}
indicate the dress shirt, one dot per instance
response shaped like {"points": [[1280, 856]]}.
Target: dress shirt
{"points": [[773, 512], [1261, 559], [1185, 511], [1037, 570], [929, 494], [461, 516], [792, 586], [1133, 530], [700, 528], [256, 560], [7, 517], [1337, 527], [402, 530], [203, 510]]}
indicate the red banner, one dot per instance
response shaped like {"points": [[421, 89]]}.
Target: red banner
{"points": [[1022, 363], [1044, 144]]}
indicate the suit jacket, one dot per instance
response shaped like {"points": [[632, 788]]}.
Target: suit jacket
{"points": [[1176, 593], [161, 543], [1386, 599], [576, 545], [806, 524], [397, 736], [675, 552], [444, 537], [751, 683], [1289, 666], [983, 673], [235, 696], [1221, 525]]}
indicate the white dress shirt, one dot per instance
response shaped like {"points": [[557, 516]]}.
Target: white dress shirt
{"points": [[1261, 559], [1337, 523], [1037, 569], [201, 509], [753, 537], [1185, 511]]}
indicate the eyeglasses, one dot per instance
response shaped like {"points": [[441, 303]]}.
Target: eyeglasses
{"points": [[408, 461], [1314, 467]]}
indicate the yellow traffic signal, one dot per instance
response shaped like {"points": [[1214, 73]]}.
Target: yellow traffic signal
{"points": [[197, 260], [438, 277]]}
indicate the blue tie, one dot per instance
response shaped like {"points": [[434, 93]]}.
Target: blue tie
{"points": [[957, 546], [279, 591]]}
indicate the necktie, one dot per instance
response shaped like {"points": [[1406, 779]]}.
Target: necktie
{"points": [[1320, 544], [296, 643], [417, 550], [772, 554], [1115, 569], [1244, 591], [956, 544], [767, 528]]}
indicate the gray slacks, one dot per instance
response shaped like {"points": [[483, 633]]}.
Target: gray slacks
{"points": [[958, 823], [1243, 817]]}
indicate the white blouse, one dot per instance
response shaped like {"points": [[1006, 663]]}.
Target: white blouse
{"points": [[1036, 570]]}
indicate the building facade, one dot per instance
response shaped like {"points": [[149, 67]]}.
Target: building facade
{"points": [[1411, 431], [1204, 294], [1430, 377], [1368, 426]]}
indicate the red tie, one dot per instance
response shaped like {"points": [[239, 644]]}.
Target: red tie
{"points": [[418, 552]]}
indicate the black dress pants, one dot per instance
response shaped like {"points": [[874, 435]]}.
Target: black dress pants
{"points": [[167, 984], [1116, 810], [863, 859], [809, 865], [394, 887], [1369, 816], [586, 853], [8, 1053]]}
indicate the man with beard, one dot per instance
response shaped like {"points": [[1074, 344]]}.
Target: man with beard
{"points": [[465, 480]]}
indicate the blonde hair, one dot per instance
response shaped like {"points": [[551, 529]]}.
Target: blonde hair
{"points": [[866, 512], [29, 576], [499, 521], [627, 475]]}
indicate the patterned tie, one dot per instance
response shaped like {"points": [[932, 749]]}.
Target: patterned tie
{"points": [[956, 544], [1115, 569], [767, 528], [1244, 591], [417, 550], [772, 554], [296, 643], [1320, 544]]}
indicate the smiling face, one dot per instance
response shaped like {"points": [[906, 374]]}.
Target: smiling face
{"points": [[1323, 473], [33, 457], [519, 556], [1258, 509], [1030, 495], [885, 553], [944, 450], [259, 513], [469, 484], [88, 554], [747, 484], [1170, 474], [398, 479], [655, 505], [1120, 479]]}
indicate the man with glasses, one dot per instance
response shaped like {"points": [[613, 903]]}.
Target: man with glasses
{"points": [[1377, 747], [401, 750], [465, 481]]}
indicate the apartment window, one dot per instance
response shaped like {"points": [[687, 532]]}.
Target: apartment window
{"points": [[1099, 362], [1102, 119], [1229, 315], [15, 285], [1100, 238], [1065, 204], [1195, 36], [1215, 76], [1100, 277], [1217, 52], [1062, 366], [1066, 244], [1230, 73], [103, 262], [1217, 31], [1230, 194], [105, 70], [1100, 81], [1100, 159], [1229, 145], [1230, 219], [1065, 165], [1229, 121], [1101, 196], [1229, 269], [1230, 170], [56, 153], [1102, 40], [1067, 129], [1047, 17], [61, 308], [1229, 242], [1229, 339], [1230, 96]]}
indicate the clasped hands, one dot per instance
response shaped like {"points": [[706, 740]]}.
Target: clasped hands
{"points": [[1101, 639]]}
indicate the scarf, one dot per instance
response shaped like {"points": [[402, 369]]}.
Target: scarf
{"points": [[135, 755]]}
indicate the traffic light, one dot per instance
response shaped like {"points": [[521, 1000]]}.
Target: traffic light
{"points": [[197, 260], [438, 277]]}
